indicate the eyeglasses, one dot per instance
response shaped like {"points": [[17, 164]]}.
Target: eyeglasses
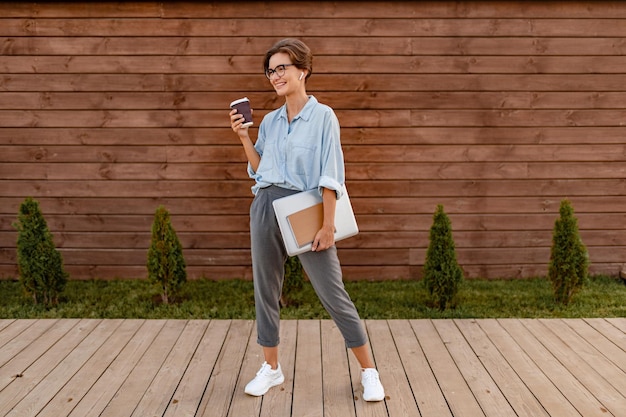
{"points": [[279, 70]]}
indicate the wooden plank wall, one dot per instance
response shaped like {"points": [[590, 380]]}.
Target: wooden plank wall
{"points": [[497, 110]]}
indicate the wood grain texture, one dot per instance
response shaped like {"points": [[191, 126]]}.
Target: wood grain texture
{"points": [[430, 368], [497, 110]]}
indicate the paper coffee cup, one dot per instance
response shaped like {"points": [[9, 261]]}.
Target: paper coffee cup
{"points": [[243, 107]]}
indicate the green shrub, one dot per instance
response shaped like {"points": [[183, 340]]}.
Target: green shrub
{"points": [[569, 260], [442, 273], [166, 264], [294, 280], [39, 263]]}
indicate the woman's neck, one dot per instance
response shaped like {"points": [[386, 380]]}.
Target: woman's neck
{"points": [[295, 104]]}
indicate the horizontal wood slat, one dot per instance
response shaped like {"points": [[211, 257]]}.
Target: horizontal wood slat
{"points": [[326, 63], [351, 118], [346, 100], [356, 46], [367, 222], [425, 9], [360, 257], [145, 27], [238, 84], [349, 27], [574, 135], [379, 205], [419, 189], [373, 239], [351, 273], [28, 170], [496, 110], [355, 154]]}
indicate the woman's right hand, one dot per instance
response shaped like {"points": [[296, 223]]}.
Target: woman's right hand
{"points": [[236, 120]]}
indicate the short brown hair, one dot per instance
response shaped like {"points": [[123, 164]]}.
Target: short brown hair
{"points": [[298, 52]]}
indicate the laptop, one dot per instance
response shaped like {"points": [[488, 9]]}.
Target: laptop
{"points": [[300, 217]]}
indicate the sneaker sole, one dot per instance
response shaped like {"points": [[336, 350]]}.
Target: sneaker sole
{"points": [[372, 400], [275, 383]]}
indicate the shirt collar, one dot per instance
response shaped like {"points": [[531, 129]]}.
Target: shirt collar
{"points": [[306, 111]]}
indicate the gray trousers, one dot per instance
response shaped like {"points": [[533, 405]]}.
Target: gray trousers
{"points": [[322, 268]]}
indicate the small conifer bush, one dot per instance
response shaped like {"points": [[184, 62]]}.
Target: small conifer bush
{"points": [[569, 260], [442, 273], [166, 264], [40, 264]]}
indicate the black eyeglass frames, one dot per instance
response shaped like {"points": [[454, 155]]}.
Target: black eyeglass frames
{"points": [[279, 70]]}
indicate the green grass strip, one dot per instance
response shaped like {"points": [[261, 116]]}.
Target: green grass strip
{"points": [[234, 299]]}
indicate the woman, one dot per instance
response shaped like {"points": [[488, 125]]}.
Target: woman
{"points": [[297, 149]]}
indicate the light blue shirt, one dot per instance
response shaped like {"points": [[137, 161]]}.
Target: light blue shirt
{"points": [[302, 155]]}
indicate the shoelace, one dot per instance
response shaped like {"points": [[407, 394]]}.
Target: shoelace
{"points": [[266, 369], [370, 378], [263, 369]]}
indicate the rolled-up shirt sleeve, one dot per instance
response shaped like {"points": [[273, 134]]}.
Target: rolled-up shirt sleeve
{"points": [[332, 163]]}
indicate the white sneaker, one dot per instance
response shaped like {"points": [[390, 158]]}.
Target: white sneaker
{"points": [[372, 388], [265, 379]]}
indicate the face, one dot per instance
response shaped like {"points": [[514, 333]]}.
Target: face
{"points": [[288, 82]]}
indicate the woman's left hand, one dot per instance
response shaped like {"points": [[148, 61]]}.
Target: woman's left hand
{"points": [[324, 239]]}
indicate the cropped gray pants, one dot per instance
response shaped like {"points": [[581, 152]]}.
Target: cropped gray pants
{"points": [[322, 268]]}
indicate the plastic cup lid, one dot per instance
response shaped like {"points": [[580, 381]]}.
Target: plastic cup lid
{"points": [[241, 100]]}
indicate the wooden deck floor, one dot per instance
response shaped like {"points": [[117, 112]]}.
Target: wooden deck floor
{"points": [[439, 368]]}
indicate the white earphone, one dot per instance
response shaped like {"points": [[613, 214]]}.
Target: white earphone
{"points": [[301, 75]]}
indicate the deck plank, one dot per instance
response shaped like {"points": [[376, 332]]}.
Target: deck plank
{"points": [[363, 408], [279, 401], [221, 387], [599, 341], [424, 385], [51, 384], [95, 401], [308, 394], [44, 364], [620, 323], [127, 398], [338, 391], [400, 401], [16, 338], [610, 331], [189, 368], [551, 399], [160, 392], [9, 329], [76, 388], [575, 392], [193, 383], [588, 353], [245, 405], [454, 387], [485, 389], [591, 378], [4, 323], [510, 384], [13, 369]]}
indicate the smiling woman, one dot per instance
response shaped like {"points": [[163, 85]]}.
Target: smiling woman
{"points": [[281, 168]]}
